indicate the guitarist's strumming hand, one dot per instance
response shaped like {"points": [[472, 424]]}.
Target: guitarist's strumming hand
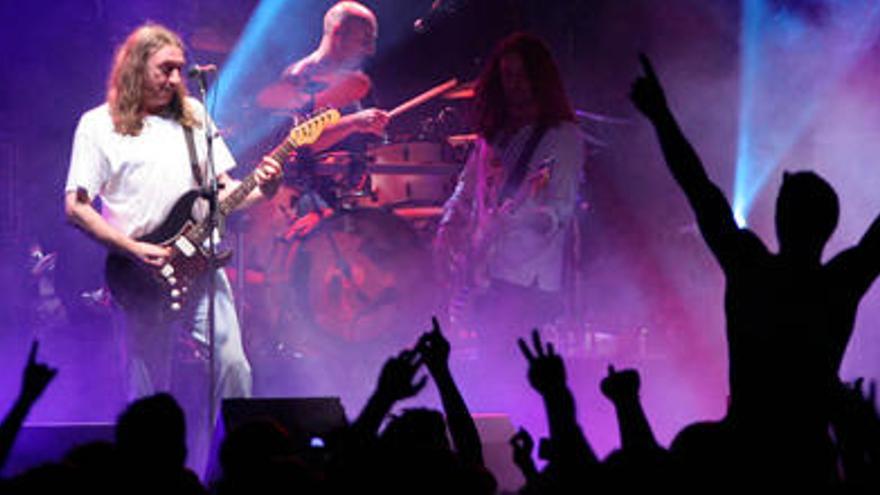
{"points": [[150, 254], [540, 219]]}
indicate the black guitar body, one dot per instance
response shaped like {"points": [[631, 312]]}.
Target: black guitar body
{"points": [[134, 284]]}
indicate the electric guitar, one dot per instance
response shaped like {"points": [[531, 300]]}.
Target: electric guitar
{"points": [[486, 233], [469, 278], [133, 283]]}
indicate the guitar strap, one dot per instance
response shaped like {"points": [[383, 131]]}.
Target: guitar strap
{"points": [[518, 174], [193, 159]]}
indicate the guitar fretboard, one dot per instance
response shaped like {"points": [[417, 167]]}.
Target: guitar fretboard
{"points": [[302, 134]]}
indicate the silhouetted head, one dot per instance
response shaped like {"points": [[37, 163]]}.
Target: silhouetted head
{"points": [[152, 431], [416, 429], [253, 444], [257, 457], [807, 210]]}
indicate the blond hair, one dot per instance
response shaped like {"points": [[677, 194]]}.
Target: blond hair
{"points": [[126, 85]]}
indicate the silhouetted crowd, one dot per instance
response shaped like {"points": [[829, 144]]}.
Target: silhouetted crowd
{"points": [[412, 453]]}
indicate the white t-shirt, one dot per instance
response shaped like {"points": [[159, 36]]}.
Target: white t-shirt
{"points": [[139, 178]]}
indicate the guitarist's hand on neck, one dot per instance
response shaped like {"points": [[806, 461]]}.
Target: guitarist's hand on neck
{"points": [[268, 171], [268, 175]]}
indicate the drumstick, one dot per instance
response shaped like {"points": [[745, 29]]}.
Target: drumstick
{"points": [[422, 98]]}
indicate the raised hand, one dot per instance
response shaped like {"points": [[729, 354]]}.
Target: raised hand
{"points": [[396, 379], [621, 385], [434, 348], [36, 377], [647, 93], [523, 445], [546, 369]]}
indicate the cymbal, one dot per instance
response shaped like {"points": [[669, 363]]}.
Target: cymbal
{"points": [[336, 91], [463, 91], [282, 95]]}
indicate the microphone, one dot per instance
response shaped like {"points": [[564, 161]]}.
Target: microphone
{"points": [[439, 9], [200, 70]]}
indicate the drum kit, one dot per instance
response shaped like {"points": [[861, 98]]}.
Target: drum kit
{"points": [[342, 253]]}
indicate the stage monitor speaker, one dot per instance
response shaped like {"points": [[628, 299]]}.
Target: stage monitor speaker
{"points": [[41, 443], [307, 416], [306, 419]]}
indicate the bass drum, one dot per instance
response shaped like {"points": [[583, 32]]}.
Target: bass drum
{"points": [[361, 275]]}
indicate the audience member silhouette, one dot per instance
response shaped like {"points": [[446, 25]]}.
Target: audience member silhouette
{"points": [[151, 443], [258, 457], [522, 444], [856, 426], [789, 316], [413, 451], [573, 462], [35, 378], [640, 463], [434, 350]]}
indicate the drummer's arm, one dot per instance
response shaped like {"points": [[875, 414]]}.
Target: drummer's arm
{"points": [[370, 121]]}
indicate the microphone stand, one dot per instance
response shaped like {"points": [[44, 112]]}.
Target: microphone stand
{"points": [[210, 191]]}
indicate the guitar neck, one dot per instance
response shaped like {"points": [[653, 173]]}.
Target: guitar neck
{"points": [[305, 133], [237, 196], [198, 234]]}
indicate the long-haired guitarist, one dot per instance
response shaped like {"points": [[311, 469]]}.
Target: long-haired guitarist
{"points": [[133, 153], [503, 234]]}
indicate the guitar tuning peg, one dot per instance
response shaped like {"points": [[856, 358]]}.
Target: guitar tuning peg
{"points": [[175, 306]]}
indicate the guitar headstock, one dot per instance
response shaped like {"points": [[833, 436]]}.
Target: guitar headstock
{"points": [[309, 131]]}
